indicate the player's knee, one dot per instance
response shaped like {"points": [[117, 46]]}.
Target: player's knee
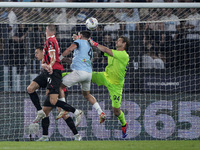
{"points": [[30, 89], [116, 112], [46, 110], [65, 117], [86, 94], [53, 101]]}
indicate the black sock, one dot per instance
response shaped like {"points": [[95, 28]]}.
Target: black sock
{"points": [[65, 106], [71, 125], [36, 101], [45, 125]]}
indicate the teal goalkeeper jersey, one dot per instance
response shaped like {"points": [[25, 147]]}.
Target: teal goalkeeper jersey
{"points": [[115, 71]]}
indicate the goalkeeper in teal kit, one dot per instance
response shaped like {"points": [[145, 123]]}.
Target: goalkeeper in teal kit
{"points": [[113, 77]]}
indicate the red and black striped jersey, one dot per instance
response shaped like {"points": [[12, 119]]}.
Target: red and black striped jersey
{"points": [[51, 44]]}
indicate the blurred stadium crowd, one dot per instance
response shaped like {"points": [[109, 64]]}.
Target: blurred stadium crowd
{"points": [[164, 44]]}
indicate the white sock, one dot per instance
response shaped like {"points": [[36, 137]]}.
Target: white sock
{"points": [[46, 136], [40, 111], [76, 112], [62, 99], [97, 107], [76, 134]]}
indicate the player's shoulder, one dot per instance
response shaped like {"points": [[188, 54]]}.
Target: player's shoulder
{"points": [[120, 52], [52, 39], [81, 43], [78, 40]]}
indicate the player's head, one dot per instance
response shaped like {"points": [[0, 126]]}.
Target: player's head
{"points": [[39, 53], [85, 34], [50, 30], [122, 43]]}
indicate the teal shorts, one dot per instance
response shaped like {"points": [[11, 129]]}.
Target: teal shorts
{"points": [[114, 90]]}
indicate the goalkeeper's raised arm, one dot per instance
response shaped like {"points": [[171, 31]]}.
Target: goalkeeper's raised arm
{"points": [[121, 44], [101, 47]]}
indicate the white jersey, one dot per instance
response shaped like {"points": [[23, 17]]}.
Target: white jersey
{"points": [[82, 56], [172, 22], [148, 62], [193, 19], [159, 64]]}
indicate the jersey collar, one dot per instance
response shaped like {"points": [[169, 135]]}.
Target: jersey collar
{"points": [[51, 36]]}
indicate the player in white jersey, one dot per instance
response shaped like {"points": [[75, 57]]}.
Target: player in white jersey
{"points": [[82, 68]]}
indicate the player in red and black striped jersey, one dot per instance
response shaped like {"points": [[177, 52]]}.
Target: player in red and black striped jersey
{"points": [[52, 73], [51, 54], [51, 62]]}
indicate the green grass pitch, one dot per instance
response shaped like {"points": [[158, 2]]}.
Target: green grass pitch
{"points": [[103, 145]]}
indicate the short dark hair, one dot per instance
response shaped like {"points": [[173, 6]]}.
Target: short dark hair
{"points": [[86, 34], [40, 48], [125, 39]]}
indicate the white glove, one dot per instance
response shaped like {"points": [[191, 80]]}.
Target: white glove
{"points": [[76, 37], [93, 43]]}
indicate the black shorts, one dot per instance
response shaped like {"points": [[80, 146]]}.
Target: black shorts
{"points": [[54, 81], [47, 103], [41, 79]]}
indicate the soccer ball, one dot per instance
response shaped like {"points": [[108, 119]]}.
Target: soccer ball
{"points": [[91, 23]]}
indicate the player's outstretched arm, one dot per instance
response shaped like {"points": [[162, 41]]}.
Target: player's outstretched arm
{"points": [[68, 51], [101, 47]]}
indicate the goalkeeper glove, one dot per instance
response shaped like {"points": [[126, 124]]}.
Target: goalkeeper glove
{"points": [[93, 43], [75, 37]]}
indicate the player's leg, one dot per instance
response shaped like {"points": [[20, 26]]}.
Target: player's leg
{"points": [[68, 81], [62, 97], [120, 115], [45, 121], [64, 114], [116, 96], [31, 89], [85, 81], [54, 101], [78, 113], [39, 81], [72, 127], [99, 78], [95, 105], [54, 90]]}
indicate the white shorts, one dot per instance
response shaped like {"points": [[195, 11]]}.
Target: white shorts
{"points": [[76, 76]]}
